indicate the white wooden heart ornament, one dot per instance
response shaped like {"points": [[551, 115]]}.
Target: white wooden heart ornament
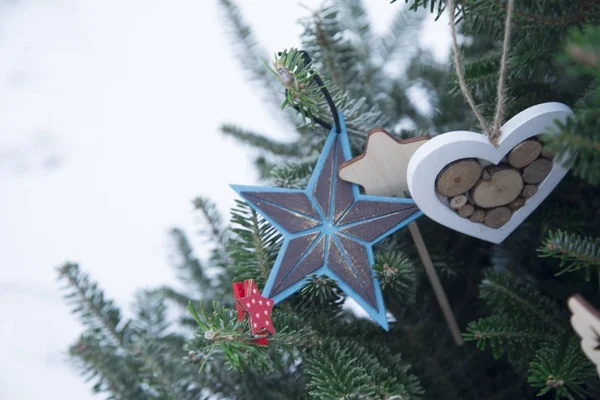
{"points": [[441, 151]]}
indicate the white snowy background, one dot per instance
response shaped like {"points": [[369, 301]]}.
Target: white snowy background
{"points": [[109, 116]]}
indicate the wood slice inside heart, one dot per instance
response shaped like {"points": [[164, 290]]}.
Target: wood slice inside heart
{"points": [[500, 185], [524, 153], [458, 177], [491, 194]]}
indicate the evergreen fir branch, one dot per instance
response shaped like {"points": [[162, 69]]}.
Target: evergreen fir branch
{"points": [[280, 385], [531, 56], [215, 232], [324, 38], [360, 118], [512, 297], [574, 251], [534, 14], [555, 15], [140, 346], [97, 314], [355, 374], [171, 294], [294, 175], [264, 167], [191, 270], [305, 93], [356, 20], [560, 214], [398, 280], [577, 145], [397, 368], [321, 297], [335, 374], [222, 335], [433, 6], [396, 272], [151, 314], [261, 142], [254, 246], [340, 40], [162, 372], [483, 71], [581, 53], [561, 367], [249, 51], [489, 14], [401, 34], [504, 334], [107, 367], [426, 71], [298, 77], [358, 64]]}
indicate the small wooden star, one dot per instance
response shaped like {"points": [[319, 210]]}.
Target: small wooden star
{"points": [[258, 309], [381, 168]]}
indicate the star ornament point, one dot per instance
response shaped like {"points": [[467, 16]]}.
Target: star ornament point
{"points": [[329, 229]]}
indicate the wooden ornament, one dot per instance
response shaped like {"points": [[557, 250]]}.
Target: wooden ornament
{"points": [[466, 210], [258, 308], [458, 177], [329, 228], [477, 216], [433, 159], [381, 168], [524, 153], [497, 217], [528, 191], [458, 201], [516, 203], [585, 320], [537, 171], [503, 185]]}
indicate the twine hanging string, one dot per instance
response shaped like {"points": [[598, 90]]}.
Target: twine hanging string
{"points": [[494, 131], [502, 76]]}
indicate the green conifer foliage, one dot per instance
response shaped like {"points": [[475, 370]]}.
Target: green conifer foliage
{"points": [[509, 299]]}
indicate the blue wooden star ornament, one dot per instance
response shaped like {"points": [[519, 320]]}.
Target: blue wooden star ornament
{"points": [[329, 229]]}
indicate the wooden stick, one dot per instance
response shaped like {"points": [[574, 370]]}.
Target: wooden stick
{"points": [[435, 283]]}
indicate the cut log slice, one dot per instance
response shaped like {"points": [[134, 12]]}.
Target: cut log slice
{"points": [[548, 153], [524, 153], [516, 203], [497, 217], [486, 175], [466, 210], [504, 186], [458, 177], [478, 215], [537, 171], [458, 201], [528, 191]]}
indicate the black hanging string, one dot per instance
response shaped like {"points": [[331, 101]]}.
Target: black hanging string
{"points": [[328, 98]]}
